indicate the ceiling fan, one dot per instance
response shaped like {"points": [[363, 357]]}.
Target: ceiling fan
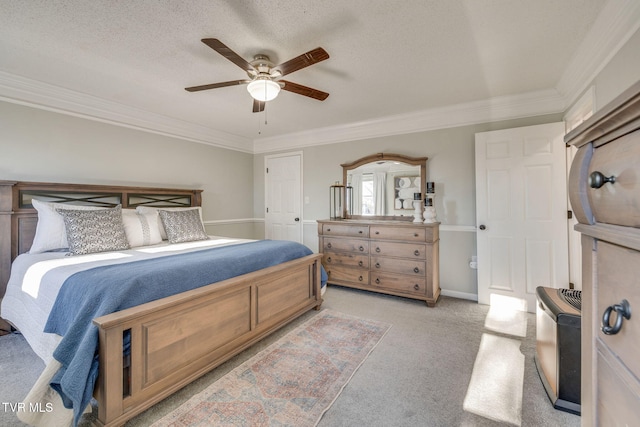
{"points": [[264, 82]]}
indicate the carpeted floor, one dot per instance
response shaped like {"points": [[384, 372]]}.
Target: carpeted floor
{"points": [[419, 375]]}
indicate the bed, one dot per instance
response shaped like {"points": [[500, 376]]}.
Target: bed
{"points": [[149, 350]]}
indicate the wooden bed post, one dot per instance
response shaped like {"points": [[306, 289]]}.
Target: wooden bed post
{"points": [[6, 213]]}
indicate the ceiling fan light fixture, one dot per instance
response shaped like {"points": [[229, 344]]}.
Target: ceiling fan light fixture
{"points": [[263, 89]]}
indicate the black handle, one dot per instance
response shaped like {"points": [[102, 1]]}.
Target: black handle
{"points": [[360, 232], [361, 248], [416, 287], [597, 179], [482, 227], [329, 259], [360, 278], [378, 249], [416, 252], [416, 270], [378, 280], [297, 219], [360, 263], [377, 265], [623, 311], [329, 245]]}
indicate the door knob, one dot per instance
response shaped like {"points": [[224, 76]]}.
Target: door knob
{"points": [[482, 227], [297, 219]]}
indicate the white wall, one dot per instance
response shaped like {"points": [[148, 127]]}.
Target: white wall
{"points": [[39, 145]]}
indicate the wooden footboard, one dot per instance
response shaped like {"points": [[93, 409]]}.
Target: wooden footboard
{"points": [[177, 339]]}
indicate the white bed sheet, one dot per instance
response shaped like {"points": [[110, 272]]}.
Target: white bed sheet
{"points": [[36, 280]]}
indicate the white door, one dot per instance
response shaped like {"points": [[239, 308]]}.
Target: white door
{"points": [[283, 191], [521, 212]]}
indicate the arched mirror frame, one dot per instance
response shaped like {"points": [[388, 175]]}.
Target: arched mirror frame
{"points": [[414, 161]]}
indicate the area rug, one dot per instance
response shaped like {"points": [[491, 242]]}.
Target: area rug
{"points": [[291, 383]]}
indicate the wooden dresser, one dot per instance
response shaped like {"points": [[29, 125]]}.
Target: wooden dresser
{"points": [[391, 257], [604, 187]]}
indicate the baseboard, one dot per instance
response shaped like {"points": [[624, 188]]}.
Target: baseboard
{"points": [[459, 295]]}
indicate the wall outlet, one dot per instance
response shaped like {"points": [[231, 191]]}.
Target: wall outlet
{"points": [[474, 262]]}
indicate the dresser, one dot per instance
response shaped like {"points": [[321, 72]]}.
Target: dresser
{"points": [[391, 257], [604, 187]]}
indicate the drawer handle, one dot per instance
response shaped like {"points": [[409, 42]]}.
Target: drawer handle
{"points": [[360, 232], [328, 229], [361, 248], [360, 263], [329, 259], [377, 265], [597, 179], [415, 234], [623, 311], [378, 280], [416, 252], [360, 278], [377, 249], [416, 287], [329, 245], [416, 270], [377, 232]]}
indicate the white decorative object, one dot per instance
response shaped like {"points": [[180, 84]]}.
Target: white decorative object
{"points": [[430, 215], [417, 214]]}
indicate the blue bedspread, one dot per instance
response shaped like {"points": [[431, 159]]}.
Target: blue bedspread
{"points": [[102, 290]]}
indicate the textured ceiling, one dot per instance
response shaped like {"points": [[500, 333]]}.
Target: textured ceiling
{"points": [[387, 57]]}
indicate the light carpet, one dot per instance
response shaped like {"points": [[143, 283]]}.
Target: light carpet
{"points": [[290, 383]]}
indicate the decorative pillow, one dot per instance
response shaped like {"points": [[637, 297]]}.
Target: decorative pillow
{"points": [[94, 231], [142, 229], [163, 233], [50, 231], [183, 225]]}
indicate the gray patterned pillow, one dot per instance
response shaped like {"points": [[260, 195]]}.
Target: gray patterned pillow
{"points": [[183, 225], [94, 231]]}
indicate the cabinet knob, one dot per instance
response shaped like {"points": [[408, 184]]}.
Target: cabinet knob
{"points": [[361, 248], [377, 232], [328, 229], [360, 278], [329, 259], [416, 270], [597, 179], [415, 234], [416, 287], [329, 245], [360, 263], [378, 249], [360, 232], [377, 265], [378, 280], [416, 252], [623, 311]]}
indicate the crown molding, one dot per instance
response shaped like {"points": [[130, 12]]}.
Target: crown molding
{"points": [[33, 93], [615, 25], [617, 22], [491, 110]]}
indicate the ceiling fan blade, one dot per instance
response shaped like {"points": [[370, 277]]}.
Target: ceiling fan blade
{"points": [[299, 62], [216, 85], [304, 90], [223, 50], [258, 106]]}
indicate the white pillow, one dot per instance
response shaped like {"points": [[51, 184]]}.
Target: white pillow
{"points": [[51, 234], [163, 233], [142, 228]]}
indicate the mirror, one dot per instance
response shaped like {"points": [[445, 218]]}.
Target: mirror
{"points": [[384, 185]]}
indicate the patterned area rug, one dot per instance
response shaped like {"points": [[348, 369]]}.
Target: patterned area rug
{"points": [[290, 383]]}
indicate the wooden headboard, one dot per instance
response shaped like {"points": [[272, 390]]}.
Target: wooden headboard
{"points": [[18, 218]]}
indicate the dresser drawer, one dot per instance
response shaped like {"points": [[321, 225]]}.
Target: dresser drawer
{"points": [[618, 275], [399, 283], [339, 275], [346, 259], [345, 230], [416, 234], [619, 202], [400, 250], [617, 391], [394, 265], [332, 244]]}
